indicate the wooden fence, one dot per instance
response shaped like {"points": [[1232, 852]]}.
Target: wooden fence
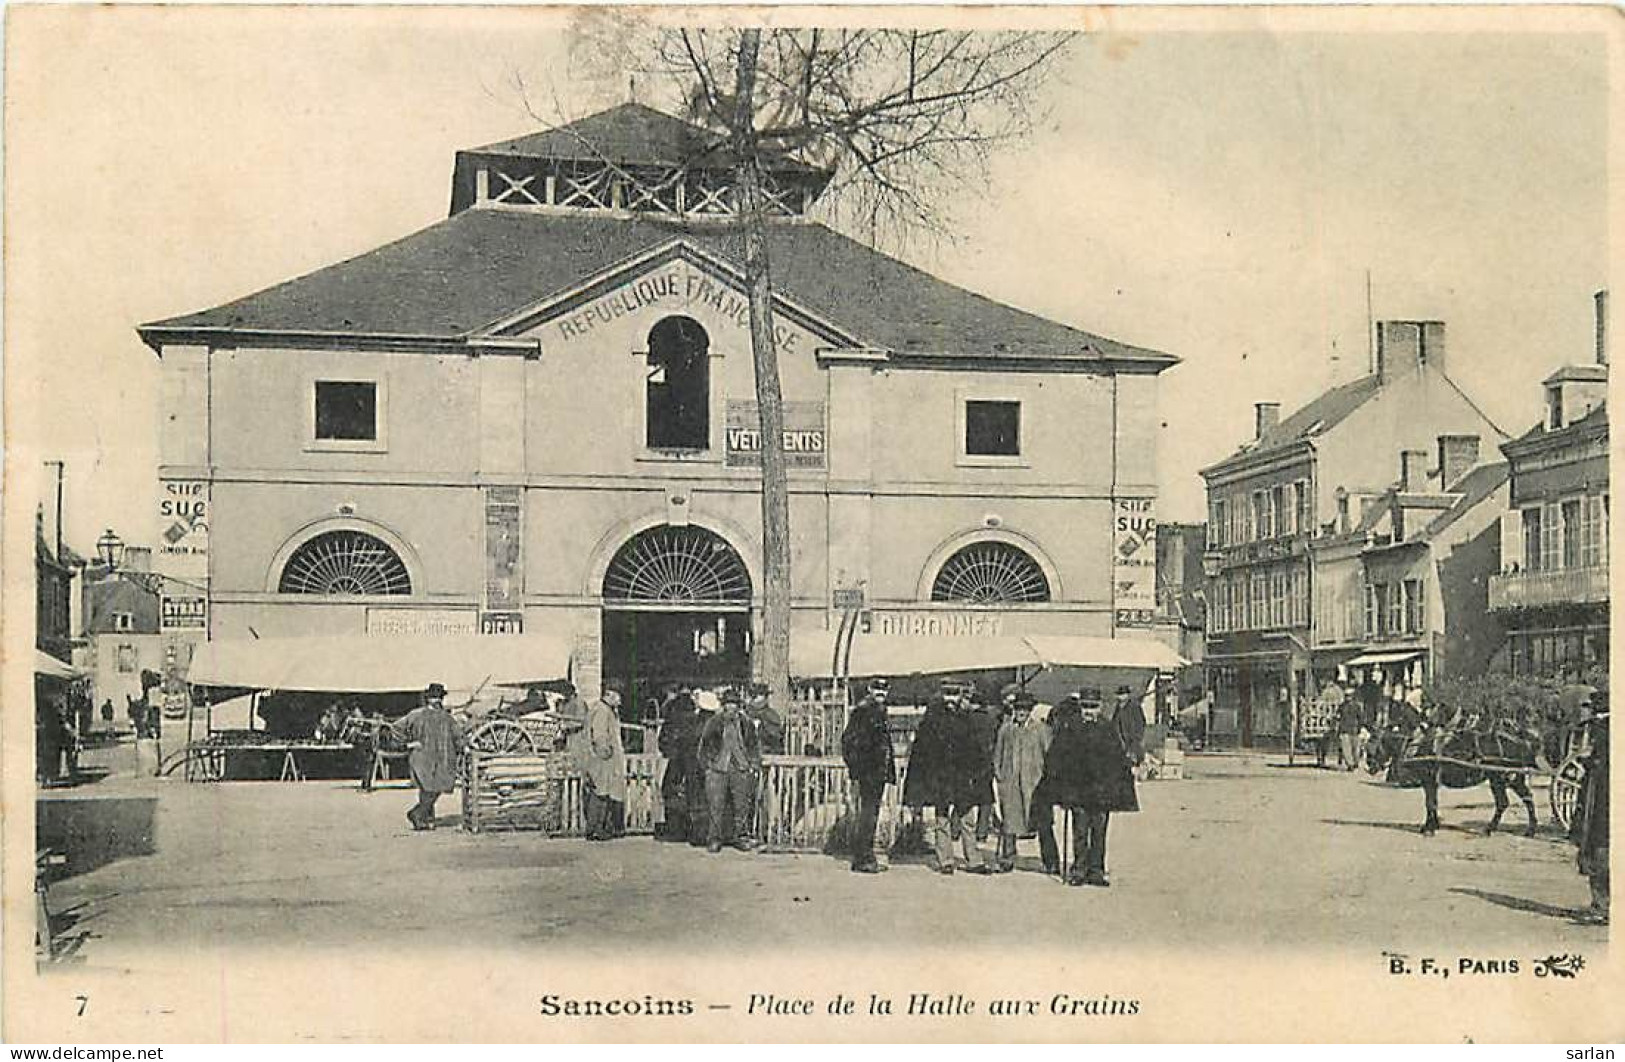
{"points": [[800, 801]]}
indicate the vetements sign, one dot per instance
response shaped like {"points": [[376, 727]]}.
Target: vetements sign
{"points": [[804, 434]]}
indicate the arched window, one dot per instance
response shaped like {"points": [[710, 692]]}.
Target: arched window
{"points": [[344, 562], [678, 412], [687, 565], [987, 573]]}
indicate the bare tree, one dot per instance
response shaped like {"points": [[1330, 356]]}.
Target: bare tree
{"points": [[897, 115]]}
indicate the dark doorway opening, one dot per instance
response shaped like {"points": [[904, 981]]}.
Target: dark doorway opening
{"points": [[647, 651]]}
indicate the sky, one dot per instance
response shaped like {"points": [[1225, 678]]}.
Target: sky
{"points": [[1220, 195]]}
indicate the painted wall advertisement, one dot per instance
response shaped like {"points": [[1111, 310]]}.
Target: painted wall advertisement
{"points": [[183, 528], [502, 611], [805, 434], [187, 612], [1134, 561], [406, 622]]}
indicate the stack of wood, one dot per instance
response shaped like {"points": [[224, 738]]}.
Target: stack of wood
{"points": [[507, 792]]}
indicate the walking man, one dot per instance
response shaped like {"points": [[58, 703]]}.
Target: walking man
{"points": [[436, 740], [732, 755], [866, 748]]}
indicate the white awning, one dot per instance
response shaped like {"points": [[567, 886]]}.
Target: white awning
{"points": [[1077, 650], [813, 654], [1394, 656], [364, 664], [48, 666]]}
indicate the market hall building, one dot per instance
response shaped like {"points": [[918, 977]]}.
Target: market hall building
{"points": [[538, 414]]}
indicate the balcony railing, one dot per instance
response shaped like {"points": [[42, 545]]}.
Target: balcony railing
{"points": [[1565, 586]]}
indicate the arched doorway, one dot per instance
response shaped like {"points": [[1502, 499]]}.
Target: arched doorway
{"points": [[676, 609]]}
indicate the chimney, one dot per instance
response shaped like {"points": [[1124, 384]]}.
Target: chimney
{"points": [[1406, 345], [1266, 415], [1602, 326], [1457, 456], [1413, 470]]}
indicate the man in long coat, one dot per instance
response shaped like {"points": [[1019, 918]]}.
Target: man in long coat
{"points": [[678, 717], [943, 773], [1018, 765], [1128, 718], [1589, 829], [436, 740], [706, 706], [866, 748], [984, 720], [603, 768], [1089, 772]]}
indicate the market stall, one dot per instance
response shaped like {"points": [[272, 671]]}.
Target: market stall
{"points": [[302, 678]]}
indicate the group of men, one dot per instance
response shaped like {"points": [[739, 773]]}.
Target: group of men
{"points": [[965, 755], [713, 742]]}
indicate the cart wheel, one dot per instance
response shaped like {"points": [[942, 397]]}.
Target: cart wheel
{"points": [[502, 737], [1565, 792]]}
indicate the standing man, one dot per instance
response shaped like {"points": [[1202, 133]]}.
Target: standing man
{"points": [[866, 748], [1089, 772], [676, 719], [941, 776], [1589, 830], [603, 774], [436, 740], [1018, 764], [706, 707], [732, 754], [1128, 717], [984, 720]]}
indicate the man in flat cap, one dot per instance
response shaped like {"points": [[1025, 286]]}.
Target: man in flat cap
{"points": [[732, 755], [866, 748], [436, 740]]}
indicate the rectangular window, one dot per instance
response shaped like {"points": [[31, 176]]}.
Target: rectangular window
{"points": [[992, 429], [1596, 544], [1395, 622], [346, 411], [1278, 599], [1551, 537], [1415, 607], [1283, 512], [1531, 539], [126, 659], [1305, 506], [123, 621], [1373, 611], [1213, 510], [1243, 599], [1573, 533], [1263, 517], [1261, 600]]}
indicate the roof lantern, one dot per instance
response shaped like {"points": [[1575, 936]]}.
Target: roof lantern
{"points": [[630, 159]]}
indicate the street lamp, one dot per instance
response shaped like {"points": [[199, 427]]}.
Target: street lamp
{"points": [[110, 548]]}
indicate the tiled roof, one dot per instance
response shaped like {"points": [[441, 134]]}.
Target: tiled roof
{"points": [[461, 275], [1321, 414], [1474, 487], [632, 135]]}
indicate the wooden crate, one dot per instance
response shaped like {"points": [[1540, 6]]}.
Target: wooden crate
{"points": [[508, 792]]}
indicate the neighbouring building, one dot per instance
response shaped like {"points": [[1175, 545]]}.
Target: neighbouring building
{"points": [[55, 566], [1552, 592], [133, 625], [1182, 593], [538, 414], [1314, 472], [1402, 598]]}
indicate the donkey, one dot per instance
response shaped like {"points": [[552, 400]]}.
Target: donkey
{"points": [[1432, 757]]}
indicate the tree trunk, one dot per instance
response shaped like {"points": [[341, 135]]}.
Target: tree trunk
{"points": [[772, 652]]}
